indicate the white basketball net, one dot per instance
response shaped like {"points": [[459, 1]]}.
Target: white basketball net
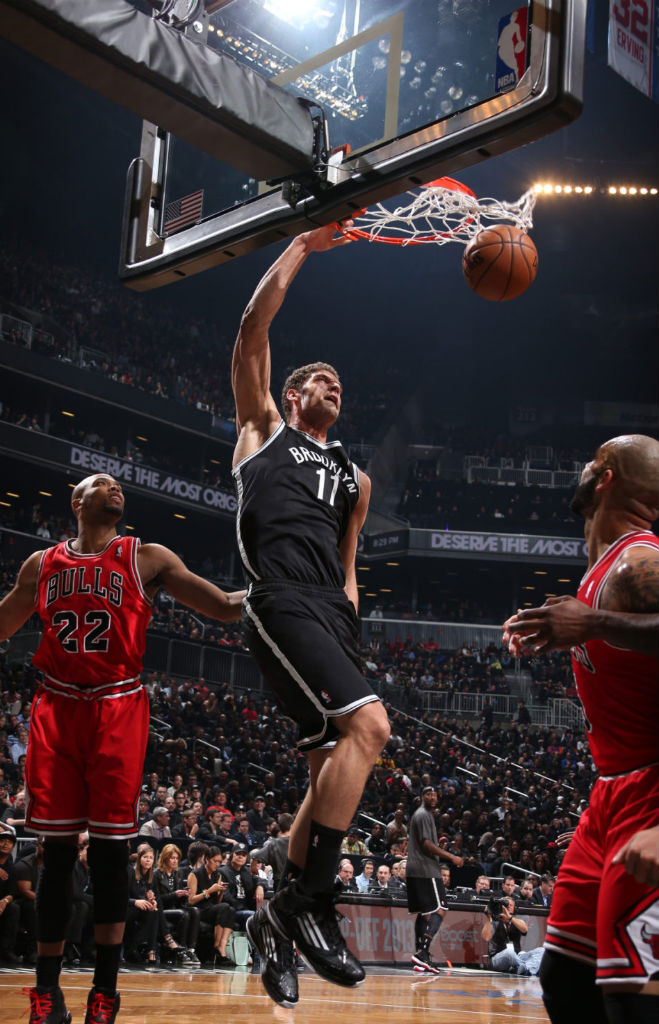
{"points": [[439, 215]]}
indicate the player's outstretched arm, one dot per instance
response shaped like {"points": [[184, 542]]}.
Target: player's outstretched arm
{"points": [[348, 548], [564, 622], [160, 567], [17, 606], [250, 372]]}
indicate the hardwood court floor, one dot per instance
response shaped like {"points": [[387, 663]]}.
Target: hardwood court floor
{"points": [[161, 997]]}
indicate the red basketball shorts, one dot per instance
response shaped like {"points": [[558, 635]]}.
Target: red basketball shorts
{"points": [[85, 760], [599, 913]]}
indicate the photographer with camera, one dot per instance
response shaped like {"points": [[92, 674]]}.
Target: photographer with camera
{"points": [[503, 933]]}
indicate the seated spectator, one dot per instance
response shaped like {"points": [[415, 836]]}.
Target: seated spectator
{"points": [[345, 880], [207, 891], [482, 886], [10, 914], [396, 883], [243, 834], [188, 828], [244, 892], [526, 890], [509, 887], [27, 880], [172, 894], [352, 844], [363, 881], [396, 830], [158, 826], [209, 830], [142, 920], [258, 819], [445, 874], [379, 886], [543, 893], [15, 815], [375, 842]]}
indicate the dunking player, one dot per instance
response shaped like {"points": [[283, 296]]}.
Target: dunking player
{"points": [[301, 505], [425, 888], [89, 722], [602, 947]]}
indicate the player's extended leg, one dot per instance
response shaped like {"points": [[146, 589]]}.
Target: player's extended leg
{"points": [[426, 927], [54, 905], [108, 864], [304, 911]]}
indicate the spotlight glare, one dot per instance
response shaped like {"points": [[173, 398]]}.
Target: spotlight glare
{"points": [[588, 189], [547, 189], [578, 189], [623, 190], [633, 191], [644, 191], [558, 188], [612, 190], [653, 191], [567, 188]]}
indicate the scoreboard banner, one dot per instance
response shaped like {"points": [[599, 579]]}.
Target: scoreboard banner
{"points": [[634, 43]]}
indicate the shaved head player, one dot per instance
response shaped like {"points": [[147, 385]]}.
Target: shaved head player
{"points": [[89, 722], [601, 958], [301, 505]]}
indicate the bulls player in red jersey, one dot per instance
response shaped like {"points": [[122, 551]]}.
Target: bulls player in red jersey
{"points": [[601, 958], [89, 721]]}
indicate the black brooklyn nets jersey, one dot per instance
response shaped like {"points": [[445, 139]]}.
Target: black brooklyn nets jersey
{"points": [[295, 498]]}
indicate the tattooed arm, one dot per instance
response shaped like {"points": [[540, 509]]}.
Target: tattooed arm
{"points": [[628, 615]]}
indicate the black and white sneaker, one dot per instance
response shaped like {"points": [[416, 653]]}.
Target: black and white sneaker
{"points": [[422, 963], [278, 972], [313, 924]]}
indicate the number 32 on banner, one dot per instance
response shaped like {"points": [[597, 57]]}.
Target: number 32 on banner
{"points": [[634, 15]]}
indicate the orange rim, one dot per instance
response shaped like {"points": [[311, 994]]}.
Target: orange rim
{"points": [[451, 184]]}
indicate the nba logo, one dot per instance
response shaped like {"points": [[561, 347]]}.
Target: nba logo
{"points": [[511, 49]]}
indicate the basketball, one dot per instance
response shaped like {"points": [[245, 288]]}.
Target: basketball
{"points": [[500, 263]]}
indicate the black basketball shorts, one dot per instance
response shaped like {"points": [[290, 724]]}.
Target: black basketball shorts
{"points": [[425, 895], [305, 641]]}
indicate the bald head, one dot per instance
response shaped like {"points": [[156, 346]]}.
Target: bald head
{"points": [[634, 460], [99, 496]]}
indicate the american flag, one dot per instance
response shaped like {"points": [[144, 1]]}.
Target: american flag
{"points": [[183, 211]]}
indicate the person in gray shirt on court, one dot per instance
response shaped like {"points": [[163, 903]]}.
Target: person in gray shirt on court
{"points": [[425, 889]]}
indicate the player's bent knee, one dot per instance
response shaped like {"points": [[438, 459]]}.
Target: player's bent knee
{"points": [[569, 991], [108, 864], [630, 1007], [375, 723]]}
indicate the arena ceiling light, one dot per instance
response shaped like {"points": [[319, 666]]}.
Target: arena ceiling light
{"points": [[548, 188]]}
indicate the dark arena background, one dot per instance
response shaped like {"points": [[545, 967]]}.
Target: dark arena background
{"points": [[474, 420]]}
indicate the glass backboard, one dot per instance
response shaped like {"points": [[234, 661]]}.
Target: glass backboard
{"points": [[408, 90]]}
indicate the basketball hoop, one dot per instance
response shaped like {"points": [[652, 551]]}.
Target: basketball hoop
{"points": [[441, 211]]}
